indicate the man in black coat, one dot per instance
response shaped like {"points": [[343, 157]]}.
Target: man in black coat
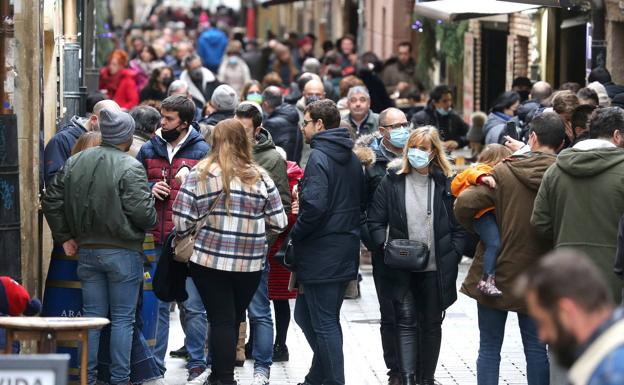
{"points": [[326, 237], [282, 122]]}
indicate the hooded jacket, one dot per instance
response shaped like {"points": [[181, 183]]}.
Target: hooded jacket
{"points": [[154, 157], [58, 149], [211, 46], [517, 180], [326, 236], [283, 124], [493, 128], [267, 157], [387, 218], [580, 204]]}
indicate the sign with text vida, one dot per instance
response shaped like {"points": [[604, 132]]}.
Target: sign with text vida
{"points": [[41, 369]]}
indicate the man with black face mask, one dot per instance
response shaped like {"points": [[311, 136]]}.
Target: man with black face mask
{"points": [[168, 157], [201, 80], [576, 316]]}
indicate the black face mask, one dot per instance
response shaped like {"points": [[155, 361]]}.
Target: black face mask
{"points": [[167, 81], [196, 75], [170, 135], [524, 95], [311, 99]]}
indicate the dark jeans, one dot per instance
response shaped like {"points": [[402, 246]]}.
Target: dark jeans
{"points": [[419, 325], [492, 330], [225, 295], [487, 229], [317, 312], [384, 285]]}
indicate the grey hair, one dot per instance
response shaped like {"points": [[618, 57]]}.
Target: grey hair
{"points": [[358, 90], [311, 65], [177, 87]]}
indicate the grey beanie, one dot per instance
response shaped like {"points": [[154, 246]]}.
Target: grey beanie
{"points": [[116, 127], [224, 98]]}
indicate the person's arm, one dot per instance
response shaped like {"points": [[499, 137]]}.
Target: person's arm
{"points": [[185, 210], [471, 201], [53, 204], [541, 218], [377, 214], [313, 198], [136, 198]]}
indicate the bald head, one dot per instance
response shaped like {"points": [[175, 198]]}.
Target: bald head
{"points": [[93, 123], [391, 116], [541, 90], [271, 98], [178, 87], [314, 87]]}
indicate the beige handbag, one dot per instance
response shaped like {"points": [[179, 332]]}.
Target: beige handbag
{"points": [[183, 249]]}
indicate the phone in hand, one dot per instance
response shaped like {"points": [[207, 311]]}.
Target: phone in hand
{"points": [[510, 130]]}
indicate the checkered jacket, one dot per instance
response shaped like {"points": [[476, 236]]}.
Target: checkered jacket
{"points": [[236, 242]]}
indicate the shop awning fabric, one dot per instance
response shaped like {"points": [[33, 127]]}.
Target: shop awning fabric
{"points": [[450, 10]]}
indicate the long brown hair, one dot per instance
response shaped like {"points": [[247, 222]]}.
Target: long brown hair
{"points": [[87, 140], [232, 152], [431, 134], [493, 153]]}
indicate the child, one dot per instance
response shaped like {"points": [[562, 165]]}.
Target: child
{"points": [[485, 221]]}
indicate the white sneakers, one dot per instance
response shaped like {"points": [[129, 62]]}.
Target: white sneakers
{"points": [[260, 379]]}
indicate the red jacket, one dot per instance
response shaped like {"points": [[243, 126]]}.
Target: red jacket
{"points": [[121, 87]]}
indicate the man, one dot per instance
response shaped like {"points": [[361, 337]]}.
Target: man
{"points": [[113, 189], [602, 75], [58, 149], [221, 106], [211, 45], [517, 180], [522, 85], [564, 103], [587, 96], [580, 122], [540, 92], [312, 91], [282, 122], [182, 50], [394, 129], [255, 59], [580, 202], [326, 238], [439, 113], [168, 157], [261, 321], [400, 73], [566, 294], [363, 121], [200, 80], [180, 87], [146, 120]]}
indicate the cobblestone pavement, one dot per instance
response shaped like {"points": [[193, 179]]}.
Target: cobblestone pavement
{"points": [[362, 346]]}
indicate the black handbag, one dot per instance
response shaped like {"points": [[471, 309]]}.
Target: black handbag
{"points": [[285, 255], [405, 254]]}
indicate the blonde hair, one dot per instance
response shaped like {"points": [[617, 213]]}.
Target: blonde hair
{"points": [[431, 134], [493, 153], [87, 140], [232, 152]]}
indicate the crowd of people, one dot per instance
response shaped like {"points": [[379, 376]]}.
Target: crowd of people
{"points": [[263, 152]]}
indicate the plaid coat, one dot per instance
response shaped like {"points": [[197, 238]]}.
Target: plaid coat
{"points": [[236, 241]]}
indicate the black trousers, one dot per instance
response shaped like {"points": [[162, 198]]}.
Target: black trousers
{"points": [[225, 295], [418, 314], [384, 285]]}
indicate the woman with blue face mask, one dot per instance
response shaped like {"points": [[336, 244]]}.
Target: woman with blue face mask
{"points": [[414, 202]]}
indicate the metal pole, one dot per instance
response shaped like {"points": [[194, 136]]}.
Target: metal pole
{"points": [[599, 43], [71, 62]]}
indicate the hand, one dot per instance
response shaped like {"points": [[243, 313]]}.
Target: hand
{"points": [[161, 190], [182, 174], [294, 205], [402, 86], [70, 248], [513, 144], [489, 181], [450, 145]]}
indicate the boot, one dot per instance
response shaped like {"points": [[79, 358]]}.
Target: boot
{"points": [[430, 382], [408, 379], [240, 346], [487, 286]]}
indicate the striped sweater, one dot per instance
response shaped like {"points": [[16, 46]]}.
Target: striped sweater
{"points": [[236, 242]]}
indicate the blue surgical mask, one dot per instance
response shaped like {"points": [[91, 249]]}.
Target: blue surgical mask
{"points": [[442, 111], [254, 97], [418, 158], [232, 60], [399, 136]]}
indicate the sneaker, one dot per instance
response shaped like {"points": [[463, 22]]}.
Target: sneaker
{"points": [[180, 353], [280, 353], [487, 287], [260, 379], [193, 373]]}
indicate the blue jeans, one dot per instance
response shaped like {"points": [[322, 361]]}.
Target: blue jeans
{"points": [[492, 331], [487, 229], [261, 323], [111, 279], [195, 327], [317, 312]]}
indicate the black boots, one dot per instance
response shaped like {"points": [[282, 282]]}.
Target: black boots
{"points": [[408, 379]]}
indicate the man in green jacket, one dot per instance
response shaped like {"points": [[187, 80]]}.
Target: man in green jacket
{"points": [[265, 154], [580, 201], [99, 205]]}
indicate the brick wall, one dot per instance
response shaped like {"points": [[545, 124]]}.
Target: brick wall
{"points": [[520, 28]]}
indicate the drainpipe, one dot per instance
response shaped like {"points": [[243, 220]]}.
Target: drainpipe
{"points": [[599, 43], [71, 61]]}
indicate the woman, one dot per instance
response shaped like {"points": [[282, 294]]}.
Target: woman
{"points": [[159, 82], [143, 65], [118, 82], [233, 69], [252, 91], [505, 108], [400, 211], [283, 64], [230, 249]]}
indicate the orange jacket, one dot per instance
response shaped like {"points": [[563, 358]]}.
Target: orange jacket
{"points": [[469, 177]]}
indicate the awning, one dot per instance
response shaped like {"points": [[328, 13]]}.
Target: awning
{"points": [[450, 10], [267, 3]]}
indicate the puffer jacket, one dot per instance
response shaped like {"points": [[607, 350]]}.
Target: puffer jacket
{"points": [[388, 211], [100, 198], [154, 157], [283, 124], [495, 127], [211, 46], [121, 87], [326, 236]]}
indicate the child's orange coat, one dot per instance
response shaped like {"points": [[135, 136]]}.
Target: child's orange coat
{"points": [[469, 177]]}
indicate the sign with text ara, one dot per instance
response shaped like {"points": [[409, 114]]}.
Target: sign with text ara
{"points": [[41, 369]]}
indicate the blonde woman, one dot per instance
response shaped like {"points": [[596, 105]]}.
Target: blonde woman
{"points": [[414, 202], [231, 247]]}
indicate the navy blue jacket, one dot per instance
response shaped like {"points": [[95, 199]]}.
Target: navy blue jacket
{"points": [[326, 236], [283, 125], [58, 149]]}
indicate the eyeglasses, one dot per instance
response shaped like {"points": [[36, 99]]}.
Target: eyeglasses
{"points": [[306, 122], [398, 125]]}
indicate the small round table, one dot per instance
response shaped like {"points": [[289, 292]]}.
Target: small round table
{"points": [[47, 330]]}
